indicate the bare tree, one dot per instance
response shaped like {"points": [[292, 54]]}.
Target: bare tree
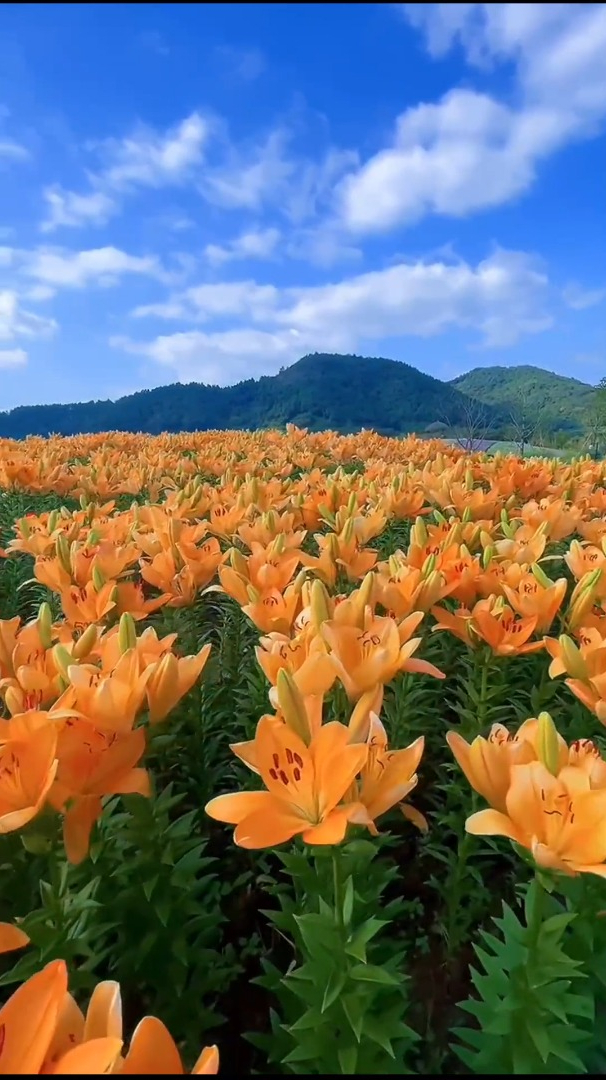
{"points": [[525, 422], [473, 431], [595, 421]]}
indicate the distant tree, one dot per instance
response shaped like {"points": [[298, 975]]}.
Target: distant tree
{"points": [[525, 422], [473, 430], [595, 421]]}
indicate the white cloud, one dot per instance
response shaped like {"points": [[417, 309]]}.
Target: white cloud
{"points": [[12, 358], [145, 158], [67, 208], [254, 244], [152, 159], [499, 300], [579, 298], [249, 177], [15, 321], [57, 268], [268, 173], [201, 303], [74, 209], [468, 152], [12, 151]]}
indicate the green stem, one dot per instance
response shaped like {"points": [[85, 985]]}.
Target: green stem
{"points": [[537, 909], [483, 662], [336, 887]]}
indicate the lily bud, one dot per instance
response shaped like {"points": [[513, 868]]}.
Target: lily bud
{"points": [[62, 660], [541, 576], [45, 625], [62, 551], [53, 517], [418, 533], [572, 658], [487, 556], [238, 562], [127, 633], [583, 597], [292, 705], [299, 582], [319, 603], [547, 744], [85, 642], [428, 566], [98, 578]]}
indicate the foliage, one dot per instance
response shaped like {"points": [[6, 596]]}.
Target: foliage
{"points": [[343, 393]]}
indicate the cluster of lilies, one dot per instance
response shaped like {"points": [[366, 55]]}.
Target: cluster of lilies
{"points": [[507, 555]]}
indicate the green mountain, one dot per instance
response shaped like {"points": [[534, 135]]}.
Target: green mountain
{"points": [[343, 393], [561, 403]]}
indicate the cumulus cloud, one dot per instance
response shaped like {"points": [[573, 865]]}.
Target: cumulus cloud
{"points": [[12, 151], [16, 321], [468, 151], [13, 358], [254, 244], [75, 269], [68, 208], [145, 158], [499, 300], [579, 298]]}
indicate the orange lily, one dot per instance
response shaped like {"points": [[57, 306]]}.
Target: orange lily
{"points": [[487, 763], [28, 764], [560, 819], [305, 786], [93, 763], [387, 777], [170, 679]]}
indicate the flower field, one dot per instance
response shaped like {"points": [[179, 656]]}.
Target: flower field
{"points": [[301, 758]]}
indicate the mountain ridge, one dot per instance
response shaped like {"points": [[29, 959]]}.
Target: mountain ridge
{"points": [[559, 401], [343, 392]]}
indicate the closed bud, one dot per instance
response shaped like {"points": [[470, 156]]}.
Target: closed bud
{"points": [[45, 625], [292, 705], [127, 632], [541, 576], [319, 603], [62, 660], [428, 566], [62, 552], [98, 578], [53, 517], [572, 658], [548, 744], [85, 642], [487, 556]]}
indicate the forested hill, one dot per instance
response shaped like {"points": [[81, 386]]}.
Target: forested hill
{"points": [[344, 393], [563, 403]]}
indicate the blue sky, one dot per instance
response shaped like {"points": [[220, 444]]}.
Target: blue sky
{"points": [[208, 192]]}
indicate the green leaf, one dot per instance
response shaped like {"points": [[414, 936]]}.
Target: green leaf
{"points": [[373, 974], [334, 986]]}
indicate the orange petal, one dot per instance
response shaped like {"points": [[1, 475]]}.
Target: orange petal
{"points": [[207, 1063], [28, 1020], [492, 823], [232, 809], [12, 937], [272, 825], [90, 1058], [152, 1050]]}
